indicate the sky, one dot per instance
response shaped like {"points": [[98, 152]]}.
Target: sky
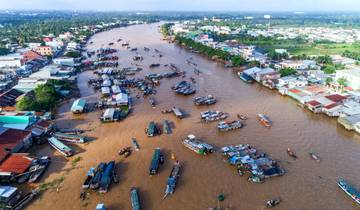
{"points": [[184, 5]]}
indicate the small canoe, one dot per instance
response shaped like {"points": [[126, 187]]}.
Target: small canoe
{"points": [[135, 144], [291, 153], [314, 156], [72, 138], [135, 201], [242, 117]]}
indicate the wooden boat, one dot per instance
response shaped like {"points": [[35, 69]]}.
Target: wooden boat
{"points": [[199, 147], [26, 199], [89, 176], [167, 127], [178, 113], [59, 146], [256, 179], [155, 161], [273, 202], [172, 179], [242, 117], [152, 130], [349, 190], [135, 201], [314, 156], [43, 163], [264, 120], [73, 138], [229, 125], [291, 153], [135, 144]]}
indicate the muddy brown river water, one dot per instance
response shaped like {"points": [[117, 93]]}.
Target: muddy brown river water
{"points": [[307, 185]]}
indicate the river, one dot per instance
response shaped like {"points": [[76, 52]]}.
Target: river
{"points": [[306, 185]]}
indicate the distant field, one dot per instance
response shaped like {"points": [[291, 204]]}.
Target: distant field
{"points": [[322, 49]]}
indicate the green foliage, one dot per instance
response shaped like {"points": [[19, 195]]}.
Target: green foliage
{"points": [[277, 56], [332, 68], [73, 54], [238, 61], [254, 64], [209, 51], [45, 98], [324, 59], [352, 54], [342, 82], [165, 29], [328, 80], [287, 71]]}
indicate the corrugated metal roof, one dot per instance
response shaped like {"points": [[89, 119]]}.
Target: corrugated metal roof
{"points": [[16, 163]]}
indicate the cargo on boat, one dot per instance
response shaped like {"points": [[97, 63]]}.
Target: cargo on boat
{"points": [[59, 146], [229, 125], [152, 129], [204, 100], [211, 116], [172, 179], [73, 138], [246, 157], [79, 106], [135, 201], [264, 120], [94, 183], [106, 177], [157, 158], [197, 145], [349, 190]]}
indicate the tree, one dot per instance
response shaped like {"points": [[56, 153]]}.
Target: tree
{"points": [[237, 61], [324, 59], [73, 54], [287, 71], [328, 80], [342, 82], [330, 69]]}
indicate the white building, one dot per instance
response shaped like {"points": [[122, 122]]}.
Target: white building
{"points": [[352, 76], [11, 60]]}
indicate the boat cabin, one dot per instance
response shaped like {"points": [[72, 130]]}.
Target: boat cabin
{"points": [[78, 106], [155, 161]]}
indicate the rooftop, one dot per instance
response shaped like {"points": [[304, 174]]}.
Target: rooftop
{"points": [[16, 163]]}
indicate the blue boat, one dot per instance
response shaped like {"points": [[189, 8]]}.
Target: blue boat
{"points": [[246, 78], [155, 162], [106, 177], [135, 202], [349, 190], [94, 184], [172, 179]]}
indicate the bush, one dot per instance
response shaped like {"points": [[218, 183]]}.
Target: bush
{"points": [[287, 71]]}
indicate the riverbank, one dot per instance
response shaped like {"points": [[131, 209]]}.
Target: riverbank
{"points": [[202, 178]]}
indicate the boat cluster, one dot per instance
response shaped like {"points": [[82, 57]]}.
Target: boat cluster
{"points": [[211, 116], [67, 135], [101, 177], [205, 100], [248, 159], [154, 129], [184, 88], [34, 172]]}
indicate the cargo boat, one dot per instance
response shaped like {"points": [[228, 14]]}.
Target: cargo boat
{"points": [[264, 120], [59, 146], [94, 184], [197, 146], [89, 176], [229, 125], [135, 201], [349, 190], [106, 177], [178, 113], [211, 116], [73, 138], [152, 130], [157, 158], [172, 179]]}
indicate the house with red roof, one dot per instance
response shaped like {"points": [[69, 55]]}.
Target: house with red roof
{"points": [[14, 164], [31, 55], [13, 140]]}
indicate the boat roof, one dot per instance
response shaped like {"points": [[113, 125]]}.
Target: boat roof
{"points": [[7, 191]]}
